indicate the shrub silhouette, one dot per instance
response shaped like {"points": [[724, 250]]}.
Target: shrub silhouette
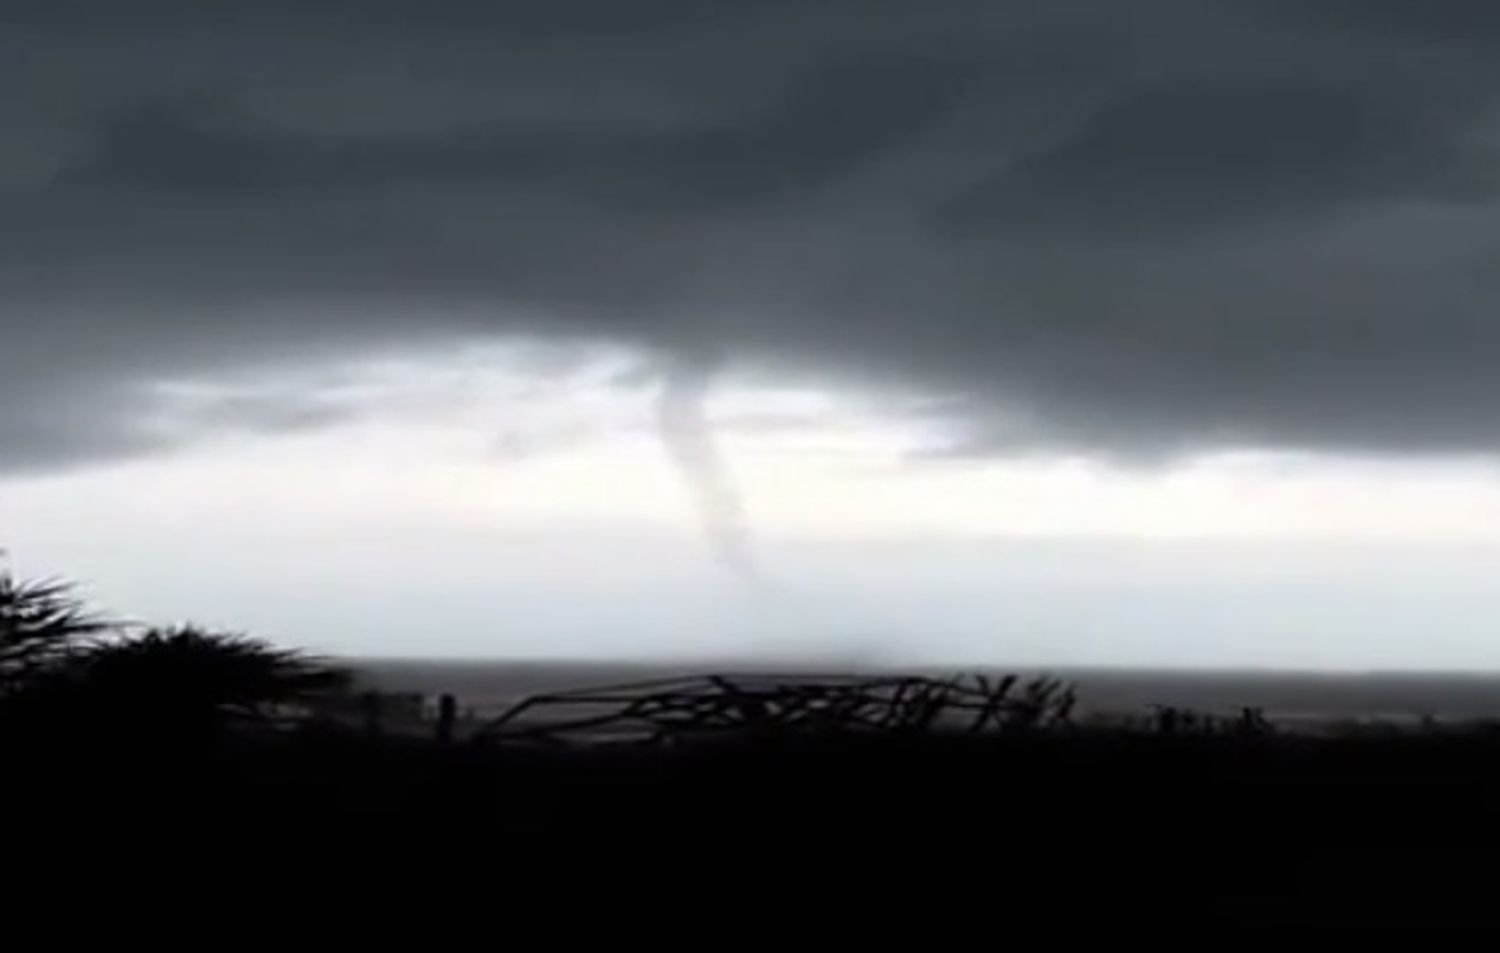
{"points": [[41, 625], [179, 683]]}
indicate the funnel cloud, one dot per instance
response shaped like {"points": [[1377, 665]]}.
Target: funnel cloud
{"points": [[689, 441]]}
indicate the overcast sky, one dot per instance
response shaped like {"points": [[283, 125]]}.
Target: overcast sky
{"points": [[1044, 330]]}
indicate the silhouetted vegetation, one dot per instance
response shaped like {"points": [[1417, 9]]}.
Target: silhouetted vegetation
{"points": [[64, 668], [182, 681], [41, 624], [971, 791]]}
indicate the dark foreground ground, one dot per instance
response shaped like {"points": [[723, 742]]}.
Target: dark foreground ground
{"points": [[1078, 829]]}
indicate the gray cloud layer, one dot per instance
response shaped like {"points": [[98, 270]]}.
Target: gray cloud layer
{"points": [[1124, 228]]}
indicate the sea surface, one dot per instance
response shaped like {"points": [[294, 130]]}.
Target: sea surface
{"points": [[487, 688]]}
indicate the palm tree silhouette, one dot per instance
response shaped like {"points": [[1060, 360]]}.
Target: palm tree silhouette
{"points": [[41, 623], [65, 667], [188, 677]]}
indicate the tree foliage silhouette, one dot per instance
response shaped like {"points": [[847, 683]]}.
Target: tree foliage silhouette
{"points": [[41, 624], [188, 676], [64, 667]]}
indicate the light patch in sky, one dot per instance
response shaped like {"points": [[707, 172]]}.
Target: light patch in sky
{"points": [[505, 507], [507, 437]]}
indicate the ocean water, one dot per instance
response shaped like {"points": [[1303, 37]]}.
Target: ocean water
{"points": [[486, 688]]}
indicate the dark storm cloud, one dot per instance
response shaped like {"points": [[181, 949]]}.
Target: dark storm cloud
{"points": [[1446, 19], [1142, 228], [528, 18], [1192, 156], [832, 118], [49, 442]]}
